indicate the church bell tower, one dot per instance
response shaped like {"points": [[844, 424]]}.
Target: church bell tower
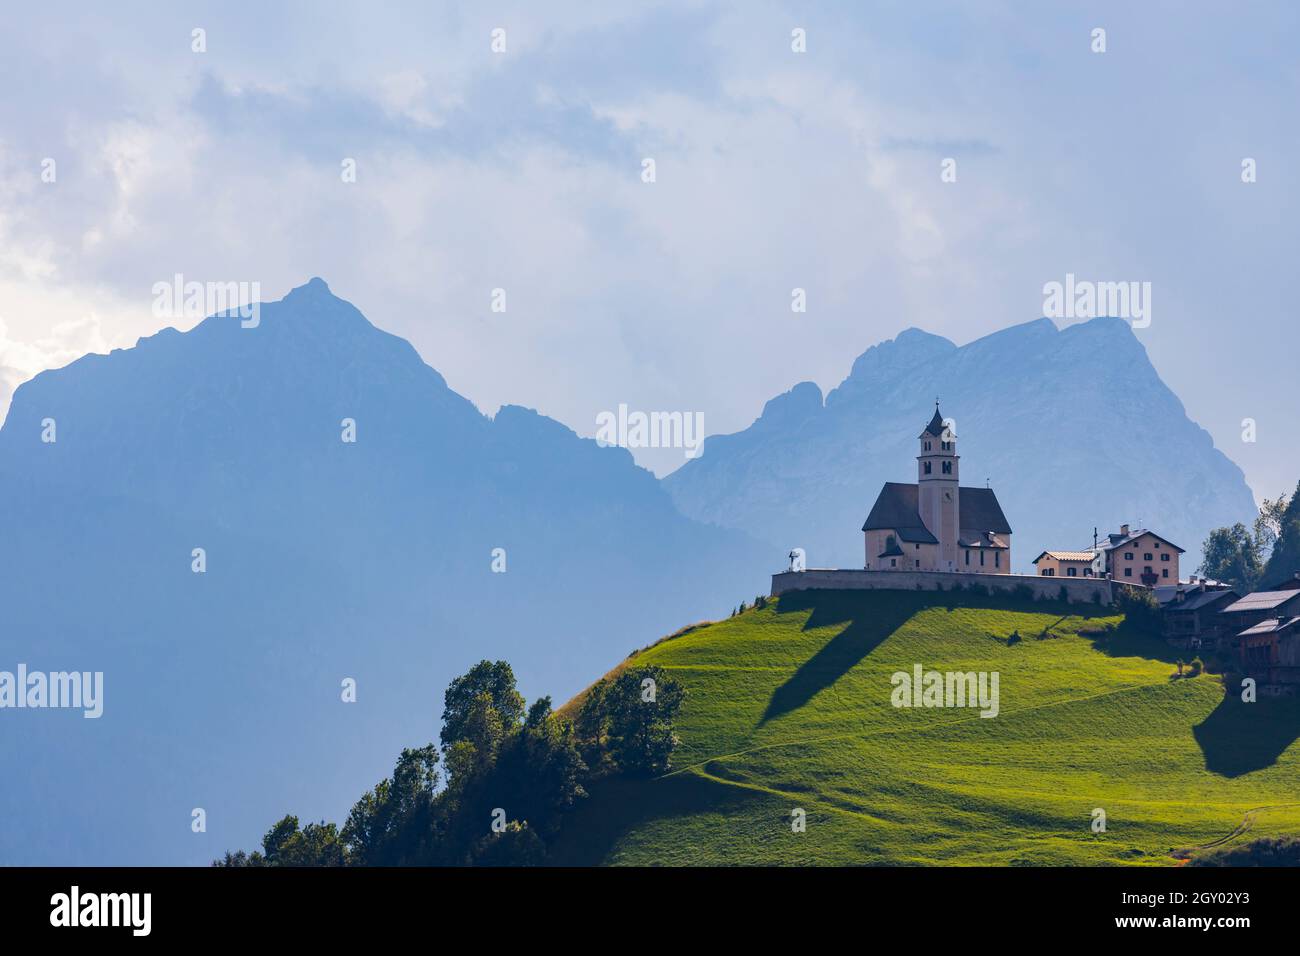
{"points": [[937, 484]]}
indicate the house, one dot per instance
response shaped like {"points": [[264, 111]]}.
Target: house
{"points": [[1140, 557], [935, 524], [1255, 608], [1189, 613], [1270, 652], [1264, 629], [1068, 564]]}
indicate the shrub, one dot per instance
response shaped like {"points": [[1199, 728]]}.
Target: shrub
{"points": [[1013, 638], [1140, 609], [1268, 851], [1198, 665]]}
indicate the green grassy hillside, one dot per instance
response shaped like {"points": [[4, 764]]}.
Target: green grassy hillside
{"points": [[789, 707]]}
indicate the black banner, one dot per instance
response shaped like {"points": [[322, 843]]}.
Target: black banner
{"points": [[329, 905]]}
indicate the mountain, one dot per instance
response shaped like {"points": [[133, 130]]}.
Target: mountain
{"points": [[10, 378], [792, 707], [1071, 427], [325, 560]]}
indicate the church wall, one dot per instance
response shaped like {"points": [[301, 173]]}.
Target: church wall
{"points": [[876, 542], [1078, 590]]}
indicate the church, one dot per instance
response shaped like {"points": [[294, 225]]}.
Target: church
{"points": [[935, 524]]}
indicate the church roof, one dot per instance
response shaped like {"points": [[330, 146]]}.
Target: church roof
{"points": [[935, 427], [980, 511], [896, 510]]}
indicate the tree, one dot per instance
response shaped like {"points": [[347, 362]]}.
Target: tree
{"points": [[537, 776], [517, 845], [1270, 521], [1232, 555], [591, 724], [1261, 557], [397, 823], [528, 765], [641, 706], [1140, 609], [497, 681], [1284, 562], [316, 844]]}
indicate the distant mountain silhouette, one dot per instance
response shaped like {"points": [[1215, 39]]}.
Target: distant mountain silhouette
{"points": [[325, 560], [1072, 427]]}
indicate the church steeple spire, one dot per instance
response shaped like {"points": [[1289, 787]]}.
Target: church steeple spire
{"points": [[935, 428]]}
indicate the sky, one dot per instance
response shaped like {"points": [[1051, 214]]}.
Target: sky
{"points": [[523, 169]]}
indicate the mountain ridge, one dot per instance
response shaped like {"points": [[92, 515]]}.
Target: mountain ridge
{"points": [[439, 537], [1088, 391]]}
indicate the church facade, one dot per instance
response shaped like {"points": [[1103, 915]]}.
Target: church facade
{"points": [[936, 524]]}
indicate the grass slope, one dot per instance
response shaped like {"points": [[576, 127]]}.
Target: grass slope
{"points": [[789, 707]]}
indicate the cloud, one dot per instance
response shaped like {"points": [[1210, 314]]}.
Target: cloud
{"points": [[775, 170]]}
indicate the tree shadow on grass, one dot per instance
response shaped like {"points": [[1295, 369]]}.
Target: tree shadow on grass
{"points": [[1239, 738], [867, 624], [1130, 641], [619, 806]]}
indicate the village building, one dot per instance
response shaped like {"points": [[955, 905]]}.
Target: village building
{"points": [[1139, 557], [1189, 612], [1066, 564], [1263, 633], [1258, 607], [1270, 652], [936, 524]]}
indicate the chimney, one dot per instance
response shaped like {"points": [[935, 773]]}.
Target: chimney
{"points": [[1123, 529]]}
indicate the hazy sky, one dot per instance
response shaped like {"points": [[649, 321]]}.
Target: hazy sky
{"points": [[774, 170]]}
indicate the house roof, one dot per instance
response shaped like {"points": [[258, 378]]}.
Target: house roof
{"points": [[1262, 601], [896, 510], [1121, 540], [1270, 625], [1066, 556], [1195, 600]]}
